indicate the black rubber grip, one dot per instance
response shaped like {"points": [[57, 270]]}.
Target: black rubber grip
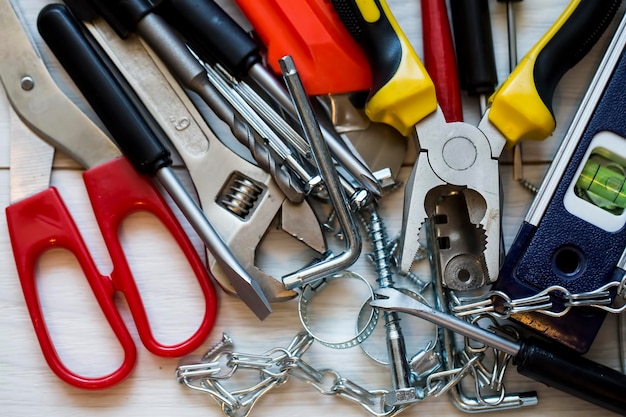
{"points": [[573, 374], [135, 9], [571, 43], [473, 39], [379, 41], [112, 11], [212, 31], [74, 49]]}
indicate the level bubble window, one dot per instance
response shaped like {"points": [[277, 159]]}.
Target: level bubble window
{"points": [[602, 181]]}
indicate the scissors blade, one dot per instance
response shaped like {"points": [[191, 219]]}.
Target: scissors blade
{"points": [[30, 160], [38, 101]]}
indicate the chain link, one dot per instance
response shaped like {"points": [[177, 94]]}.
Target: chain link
{"points": [[274, 368], [499, 305]]}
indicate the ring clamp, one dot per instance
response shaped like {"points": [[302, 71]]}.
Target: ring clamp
{"points": [[308, 294]]}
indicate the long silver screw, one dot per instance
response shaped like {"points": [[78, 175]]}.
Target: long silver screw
{"points": [[403, 392]]}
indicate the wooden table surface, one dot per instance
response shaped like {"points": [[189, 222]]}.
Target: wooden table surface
{"points": [[86, 345]]}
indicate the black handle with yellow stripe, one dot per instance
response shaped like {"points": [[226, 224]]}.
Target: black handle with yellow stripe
{"points": [[521, 108], [402, 92]]}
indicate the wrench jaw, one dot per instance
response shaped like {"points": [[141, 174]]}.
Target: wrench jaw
{"points": [[245, 234], [239, 199], [392, 299], [301, 222]]}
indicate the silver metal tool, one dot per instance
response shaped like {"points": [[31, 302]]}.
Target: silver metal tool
{"points": [[449, 353], [354, 165], [267, 140], [241, 218], [89, 70], [555, 367], [380, 145], [328, 173]]}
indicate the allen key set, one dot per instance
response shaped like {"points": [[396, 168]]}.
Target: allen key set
{"points": [[320, 183]]}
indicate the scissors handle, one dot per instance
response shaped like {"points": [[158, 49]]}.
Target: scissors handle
{"points": [[40, 223], [116, 190]]}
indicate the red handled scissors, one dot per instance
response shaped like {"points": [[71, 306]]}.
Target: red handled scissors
{"points": [[38, 220]]}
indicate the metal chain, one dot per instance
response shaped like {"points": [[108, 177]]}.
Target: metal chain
{"points": [[500, 305], [274, 368]]}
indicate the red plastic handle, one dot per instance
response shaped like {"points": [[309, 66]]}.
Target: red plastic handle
{"points": [[439, 58], [42, 222], [116, 191], [37, 224], [329, 60]]}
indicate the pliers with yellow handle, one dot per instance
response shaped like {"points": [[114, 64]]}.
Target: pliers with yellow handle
{"points": [[458, 162]]}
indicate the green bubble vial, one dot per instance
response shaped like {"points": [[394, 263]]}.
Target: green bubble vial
{"points": [[602, 181]]}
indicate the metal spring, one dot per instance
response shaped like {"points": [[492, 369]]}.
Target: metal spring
{"points": [[241, 196]]}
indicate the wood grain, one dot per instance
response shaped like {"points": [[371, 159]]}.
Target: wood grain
{"points": [[29, 388]]}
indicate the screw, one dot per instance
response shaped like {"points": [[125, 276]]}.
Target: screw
{"points": [[402, 391], [225, 343]]}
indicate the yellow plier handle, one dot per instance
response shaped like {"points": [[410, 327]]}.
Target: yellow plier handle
{"points": [[521, 108], [402, 92]]}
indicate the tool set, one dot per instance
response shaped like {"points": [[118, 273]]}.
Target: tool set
{"points": [[302, 126]]}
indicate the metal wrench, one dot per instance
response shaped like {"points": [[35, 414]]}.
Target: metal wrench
{"points": [[329, 174], [241, 226]]}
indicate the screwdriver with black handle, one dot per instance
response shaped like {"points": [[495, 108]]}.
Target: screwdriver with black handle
{"points": [[473, 37], [554, 366], [96, 78], [215, 32]]}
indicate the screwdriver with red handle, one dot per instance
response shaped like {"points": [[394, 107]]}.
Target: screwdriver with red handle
{"points": [[439, 58]]}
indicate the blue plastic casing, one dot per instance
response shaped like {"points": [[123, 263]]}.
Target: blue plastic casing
{"points": [[537, 256]]}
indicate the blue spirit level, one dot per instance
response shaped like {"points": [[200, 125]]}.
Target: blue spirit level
{"points": [[574, 234]]}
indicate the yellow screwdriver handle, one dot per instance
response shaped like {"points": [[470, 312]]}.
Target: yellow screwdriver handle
{"points": [[402, 92], [521, 108]]}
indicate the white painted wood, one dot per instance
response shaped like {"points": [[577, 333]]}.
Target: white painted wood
{"points": [[30, 389]]}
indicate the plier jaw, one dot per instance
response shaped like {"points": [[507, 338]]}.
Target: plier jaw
{"points": [[454, 186]]}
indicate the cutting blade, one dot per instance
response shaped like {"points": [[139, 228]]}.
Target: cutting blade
{"points": [[30, 160], [38, 101]]}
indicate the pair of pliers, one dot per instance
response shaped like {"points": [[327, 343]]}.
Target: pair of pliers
{"points": [[459, 159]]}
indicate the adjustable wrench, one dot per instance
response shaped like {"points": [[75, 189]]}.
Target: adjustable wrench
{"points": [[212, 166]]}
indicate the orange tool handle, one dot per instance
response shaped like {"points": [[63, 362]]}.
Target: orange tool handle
{"points": [[329, 60]]}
